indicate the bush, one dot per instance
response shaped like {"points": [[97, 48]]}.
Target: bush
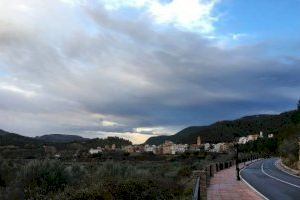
{"points": [[184, 172], [139, 189], [86, 192], [289, 150], [76, 174], [42, 177]]}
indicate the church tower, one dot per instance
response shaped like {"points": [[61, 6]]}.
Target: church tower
{"points": [[198, 140]]}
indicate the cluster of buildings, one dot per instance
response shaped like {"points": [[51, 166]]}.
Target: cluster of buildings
{"points": [[248, 138], [167, 148], [170, 147]]}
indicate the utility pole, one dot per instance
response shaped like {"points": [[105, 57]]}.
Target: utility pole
{"points": [[237, 162]]}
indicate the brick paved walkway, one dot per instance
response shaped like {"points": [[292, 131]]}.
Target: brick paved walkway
{"points": [[224, 186]]}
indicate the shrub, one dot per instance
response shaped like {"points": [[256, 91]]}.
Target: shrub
{"points": [[76, 174], [184, 171], [42, 177], [86, 192]]}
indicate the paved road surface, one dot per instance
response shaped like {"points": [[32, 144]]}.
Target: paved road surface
{"points": [[274, 184]]}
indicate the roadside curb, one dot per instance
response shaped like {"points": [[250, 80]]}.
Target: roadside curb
{"points": [[248, 184], [282, 167]]}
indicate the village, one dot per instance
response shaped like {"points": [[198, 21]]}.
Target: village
{"points": [[171, 148]]}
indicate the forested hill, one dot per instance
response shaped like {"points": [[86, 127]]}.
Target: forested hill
{"points": [[7, 138], [225, 131], [60, 138]]}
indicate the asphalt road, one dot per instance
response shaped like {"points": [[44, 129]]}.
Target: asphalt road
{"points": [[271, 182]]}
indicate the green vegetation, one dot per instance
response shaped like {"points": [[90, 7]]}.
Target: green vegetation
{"points": [[169, 178], [285, 144], [266, 146]]}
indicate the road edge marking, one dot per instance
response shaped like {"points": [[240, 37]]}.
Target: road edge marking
{"points": [[263, 171], [276, 165], [248, 184]]}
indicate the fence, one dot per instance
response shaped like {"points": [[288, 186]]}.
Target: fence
{"points": [[202, 177]]}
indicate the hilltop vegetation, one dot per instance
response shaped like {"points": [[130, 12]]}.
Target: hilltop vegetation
{"points": [[7, 138], [226, 131], [60, 138]]}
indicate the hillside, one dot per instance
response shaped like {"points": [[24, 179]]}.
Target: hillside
{"points": [[60, 138], [2, 132], [7, 138], [226, 131], [60, 141], [101, 142]]}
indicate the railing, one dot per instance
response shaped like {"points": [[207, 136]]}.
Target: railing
{"points": [[202, 177], [196, 189]]}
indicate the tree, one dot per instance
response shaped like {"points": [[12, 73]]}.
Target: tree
{"points": [[298, 106]]}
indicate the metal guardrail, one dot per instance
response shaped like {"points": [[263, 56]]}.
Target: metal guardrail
{"points": [[196, 189]]}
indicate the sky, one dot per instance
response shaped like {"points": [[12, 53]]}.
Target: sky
{"points": [[141, 68]]}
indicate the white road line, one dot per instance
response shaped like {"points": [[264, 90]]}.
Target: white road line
{"points": [[263, 171], [277, 166], [255, 190]]}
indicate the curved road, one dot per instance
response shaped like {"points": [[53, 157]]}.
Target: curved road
{"points": [[271, 182]]}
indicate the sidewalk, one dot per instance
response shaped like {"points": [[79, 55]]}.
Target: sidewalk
{"points": [[224, 186]]}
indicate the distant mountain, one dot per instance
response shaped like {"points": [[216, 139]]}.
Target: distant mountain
{"points": [[7, 138], [2, 132], [61, 138], [226, 131]]}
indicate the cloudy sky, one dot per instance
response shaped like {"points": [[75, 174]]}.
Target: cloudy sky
{"points": [[138, 68]]}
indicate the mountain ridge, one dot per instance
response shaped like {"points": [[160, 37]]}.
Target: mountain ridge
{"points": [[228, 130], [61, 138]]}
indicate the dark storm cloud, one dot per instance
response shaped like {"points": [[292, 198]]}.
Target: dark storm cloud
{"points": [[132, 73]]}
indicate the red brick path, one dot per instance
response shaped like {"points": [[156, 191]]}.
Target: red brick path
{"points": [[224, 186]]}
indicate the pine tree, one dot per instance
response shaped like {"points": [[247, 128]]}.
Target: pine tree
{"points": [[298, 106]]}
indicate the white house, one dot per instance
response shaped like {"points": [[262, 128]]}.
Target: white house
{"points": [[243, 140], [150, 148], [179, 148], [95, 151], [208, 147]]}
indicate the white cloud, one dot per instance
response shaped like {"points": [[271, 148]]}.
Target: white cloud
{"points": [[18, 90], [190, 14], [193, 15], [108, 123]]}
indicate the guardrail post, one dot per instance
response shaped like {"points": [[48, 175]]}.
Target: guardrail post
{"points": [[207, 172], [213, 169], [203, 185], [211, 173]]}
